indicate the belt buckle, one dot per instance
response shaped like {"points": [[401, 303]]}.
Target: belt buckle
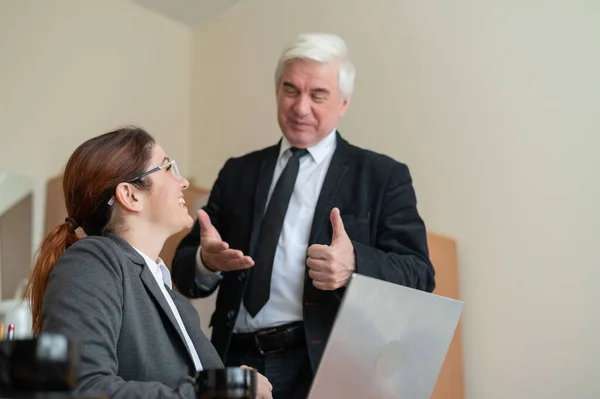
{"points": [[265, 333]]}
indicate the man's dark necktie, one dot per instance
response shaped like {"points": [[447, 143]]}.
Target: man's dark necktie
{"points": [[259, 285]]}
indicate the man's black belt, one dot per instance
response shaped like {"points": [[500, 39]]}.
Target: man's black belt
{"points": [[270, 340]]}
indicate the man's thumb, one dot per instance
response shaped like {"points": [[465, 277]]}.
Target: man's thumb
{"points": [[338, 225], [206, 227]]}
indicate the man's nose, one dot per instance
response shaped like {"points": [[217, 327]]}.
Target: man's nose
{"points": [[302, 106]]}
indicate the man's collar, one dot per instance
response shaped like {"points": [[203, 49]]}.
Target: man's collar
{"points": [[318, 152]]}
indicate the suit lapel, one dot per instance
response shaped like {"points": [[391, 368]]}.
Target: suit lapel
{"points": [[207, 353], [151, 285], [335, 174], [265, 176]]}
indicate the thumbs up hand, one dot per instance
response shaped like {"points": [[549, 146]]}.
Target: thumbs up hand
{"points": [[332, 265], [215, 253]]}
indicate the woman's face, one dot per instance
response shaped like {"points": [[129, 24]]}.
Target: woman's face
{"points": [[166, 206]]}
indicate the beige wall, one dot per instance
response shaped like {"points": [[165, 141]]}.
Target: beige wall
{"points": [[71, 69], [494, 105]]}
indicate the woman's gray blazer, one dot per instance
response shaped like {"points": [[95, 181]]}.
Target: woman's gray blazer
{"points": [[102, 293]]}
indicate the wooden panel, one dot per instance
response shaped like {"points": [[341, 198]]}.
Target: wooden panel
{"points": [[15, 233], [442, 252], [56, 212]]}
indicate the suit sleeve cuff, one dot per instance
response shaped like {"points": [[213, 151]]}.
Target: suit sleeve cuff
{"points": [[202, 270]]}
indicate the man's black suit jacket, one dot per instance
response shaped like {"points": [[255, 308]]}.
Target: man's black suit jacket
{"points": [[378, 207]]}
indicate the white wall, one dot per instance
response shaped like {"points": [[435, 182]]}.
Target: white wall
{"points": [[70, 70], [495, 107]]}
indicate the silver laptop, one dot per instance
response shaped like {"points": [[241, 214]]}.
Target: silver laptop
{"points": [[388, 342]]}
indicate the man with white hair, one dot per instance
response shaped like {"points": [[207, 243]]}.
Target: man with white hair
{"points": [[285, 227]]}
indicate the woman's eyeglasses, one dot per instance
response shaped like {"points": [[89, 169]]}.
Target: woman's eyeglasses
{"points": [[170, 166]]}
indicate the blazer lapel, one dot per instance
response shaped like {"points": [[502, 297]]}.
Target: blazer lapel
{"points": [[335, 174], [265, 176], [151, 285]]}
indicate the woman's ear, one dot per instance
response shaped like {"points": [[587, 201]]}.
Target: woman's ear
{"points": [[129, 197]]}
